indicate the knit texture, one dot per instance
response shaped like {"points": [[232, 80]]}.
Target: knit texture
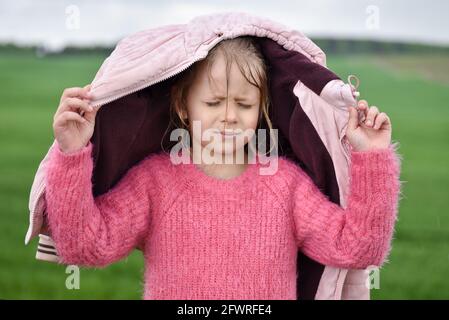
{"points": [[209, 238]]}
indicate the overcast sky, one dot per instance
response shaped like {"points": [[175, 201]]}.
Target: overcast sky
{"points": [[56, 23]]}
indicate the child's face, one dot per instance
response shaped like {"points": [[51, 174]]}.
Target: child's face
{"points": [[205, 106]]}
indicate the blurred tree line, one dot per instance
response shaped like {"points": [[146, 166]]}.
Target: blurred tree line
{"points": [[328, 45]]}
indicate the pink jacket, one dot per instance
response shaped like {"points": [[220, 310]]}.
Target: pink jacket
{"points": [[309, 103]]}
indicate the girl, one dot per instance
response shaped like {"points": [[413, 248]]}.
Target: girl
{"points": [[220, 230]]}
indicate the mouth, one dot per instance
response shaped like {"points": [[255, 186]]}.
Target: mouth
{"points": [[230, 133]]}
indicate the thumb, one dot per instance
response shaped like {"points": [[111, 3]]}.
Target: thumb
{"points": [[353, 118], [86, 90], [90, 116]]}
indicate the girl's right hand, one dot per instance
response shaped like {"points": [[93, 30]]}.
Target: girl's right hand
{"points": [[74, 120]]}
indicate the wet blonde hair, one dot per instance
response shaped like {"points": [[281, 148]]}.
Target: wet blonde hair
{"points": [[248, 58]]}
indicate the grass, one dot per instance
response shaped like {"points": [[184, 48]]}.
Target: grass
{"points": [[415, 102]]}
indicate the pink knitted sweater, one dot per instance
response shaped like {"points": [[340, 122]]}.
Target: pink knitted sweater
{"points": [[209, 238]]}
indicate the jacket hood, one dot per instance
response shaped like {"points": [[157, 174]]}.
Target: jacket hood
{"points": [[149, 56], [132, 87]]}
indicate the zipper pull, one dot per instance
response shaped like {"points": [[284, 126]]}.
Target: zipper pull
{"points": [[354, 86], [356, 94]]}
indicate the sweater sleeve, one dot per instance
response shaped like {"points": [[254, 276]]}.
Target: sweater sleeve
{"points": [[94, 231], [360, 235]]}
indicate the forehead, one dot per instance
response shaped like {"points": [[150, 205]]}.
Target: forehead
{"points": [[216, 84]]}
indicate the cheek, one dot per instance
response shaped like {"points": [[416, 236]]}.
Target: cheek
{"points": [[251, 119], [200, 117], [195, 113], [203, 116]]}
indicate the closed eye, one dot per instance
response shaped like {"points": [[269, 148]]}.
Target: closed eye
{"points": [[213, 104]]}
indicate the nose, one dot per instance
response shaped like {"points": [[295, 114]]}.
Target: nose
{"points": [[230, 115]]}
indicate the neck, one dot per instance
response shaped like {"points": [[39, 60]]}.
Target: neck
{"points": [[227, 169]]}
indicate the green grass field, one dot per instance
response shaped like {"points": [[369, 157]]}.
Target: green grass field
{"points": [[416, 102]]}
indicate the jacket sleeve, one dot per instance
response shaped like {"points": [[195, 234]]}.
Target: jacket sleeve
{"points": [[92, 231], [360, 235]]}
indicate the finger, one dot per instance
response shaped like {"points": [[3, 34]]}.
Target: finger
{"points": [[69, 116], [90, 116], [353, 118], [386, 122], [380, 119], [75, 104], [87, 89], [74, 93], [363, 104], [372, 113], [362, 107]]}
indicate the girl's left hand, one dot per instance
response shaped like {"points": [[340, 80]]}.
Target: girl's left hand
{"points": [[372, 133]]}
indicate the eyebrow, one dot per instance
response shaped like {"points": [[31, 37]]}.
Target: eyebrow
{"points": [[236, 98]]}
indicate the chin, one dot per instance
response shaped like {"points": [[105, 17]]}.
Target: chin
{"points": [[227, 148]]}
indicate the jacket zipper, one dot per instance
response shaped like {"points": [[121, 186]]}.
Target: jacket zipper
{"points": [[218, 34], [145, 85]]}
